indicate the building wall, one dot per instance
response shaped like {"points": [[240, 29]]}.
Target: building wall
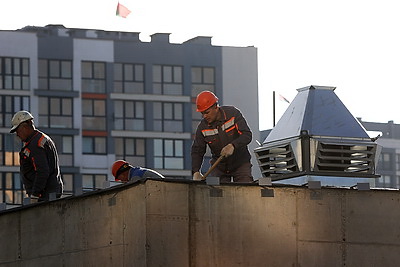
{"points": [[54, 46], [142, 225], [240, 76]]}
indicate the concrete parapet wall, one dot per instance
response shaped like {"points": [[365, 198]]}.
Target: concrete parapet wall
{"points": [[163, 223]]}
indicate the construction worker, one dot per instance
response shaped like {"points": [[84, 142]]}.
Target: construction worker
{"points": [[225, 131], [124, 172], [39, 165]]}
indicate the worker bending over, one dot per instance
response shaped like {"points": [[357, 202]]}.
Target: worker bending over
{"points": [[225, 131], [124, 172]]}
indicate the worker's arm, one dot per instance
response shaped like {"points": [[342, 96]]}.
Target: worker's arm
{"points": [[197, 151], [42, 170], [245, 134]]}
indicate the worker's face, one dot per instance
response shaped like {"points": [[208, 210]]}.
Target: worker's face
{"points": [[22, 131], [210, 114], [123, 177]]}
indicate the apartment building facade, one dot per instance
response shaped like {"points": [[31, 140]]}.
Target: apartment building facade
{"points": [[104, 95], [389, 162]]}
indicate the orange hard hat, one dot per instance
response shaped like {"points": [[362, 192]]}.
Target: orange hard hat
{"points": [[205, 100], [118, 167]]}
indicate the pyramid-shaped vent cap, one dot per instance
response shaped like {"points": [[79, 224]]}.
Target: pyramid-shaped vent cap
{"points": [[317, 135]]}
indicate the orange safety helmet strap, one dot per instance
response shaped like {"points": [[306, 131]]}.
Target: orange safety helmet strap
{"points": [[205, 100]]}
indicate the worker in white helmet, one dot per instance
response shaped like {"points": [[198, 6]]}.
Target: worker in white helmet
{"points": [[39, 165]]}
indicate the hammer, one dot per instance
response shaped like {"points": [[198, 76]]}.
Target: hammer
{"points": [[212, 168]]}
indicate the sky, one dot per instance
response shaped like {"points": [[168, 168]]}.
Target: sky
{"points": [[353, 45]]}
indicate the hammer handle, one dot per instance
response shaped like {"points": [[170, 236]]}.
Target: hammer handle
{"points": [[212, 167]]}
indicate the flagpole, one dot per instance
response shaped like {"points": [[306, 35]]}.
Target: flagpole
{"points": [[273, 108]]}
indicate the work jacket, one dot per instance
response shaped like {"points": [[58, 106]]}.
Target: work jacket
{"points": [[230, 128], [137, 173], [39, 166]]}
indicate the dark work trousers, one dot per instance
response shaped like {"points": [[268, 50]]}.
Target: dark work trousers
{"points": [[240, 175]]}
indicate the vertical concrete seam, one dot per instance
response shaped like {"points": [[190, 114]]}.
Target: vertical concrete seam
{"points": [[192, 227], [84, 225], [124, 221], [146, 245], [343, 228], [110, 238], [19, 237], [63, 208], [297, 225]]}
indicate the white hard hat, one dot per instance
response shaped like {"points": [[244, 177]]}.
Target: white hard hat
{"points": [[19, 118]]}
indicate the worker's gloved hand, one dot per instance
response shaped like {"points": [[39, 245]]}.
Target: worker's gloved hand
{"points": [[227, 150], [197, 176]]}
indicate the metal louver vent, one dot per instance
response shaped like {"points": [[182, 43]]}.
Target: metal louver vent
{"points": [[348, 158], [277, 161], [318, 139]]}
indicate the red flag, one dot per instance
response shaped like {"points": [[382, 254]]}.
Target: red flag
{"points": [[122, 11]]}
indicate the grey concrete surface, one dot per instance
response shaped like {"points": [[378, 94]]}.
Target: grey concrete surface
{"points": [[181, 223]]}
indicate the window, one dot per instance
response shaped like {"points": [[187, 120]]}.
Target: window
{"points": [[397, 162], [55, 74], [55, 112], [68, 180], [168, 117], [94, 145], [9, 105], [168, 154], [93, 77], [129, 115], [385, 162], [65, 149], [167, 80], [11, 190], [132, 150], [384, 181], [92, 182], [94, 114], [203, 78], [14, 73], [10, 146], [9, 143], [129, 78], [94, 125], [397, 182]]}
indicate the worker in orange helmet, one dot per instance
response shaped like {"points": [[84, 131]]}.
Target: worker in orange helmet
{"points": [[124, 172], [226, 132]]}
